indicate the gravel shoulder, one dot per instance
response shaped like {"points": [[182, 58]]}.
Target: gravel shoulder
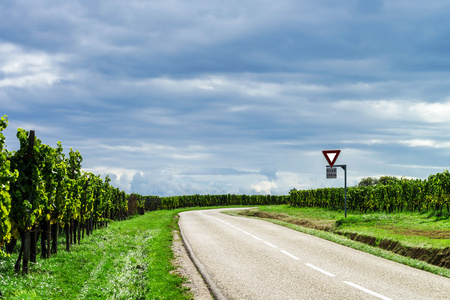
{"points": [[186, 268]]}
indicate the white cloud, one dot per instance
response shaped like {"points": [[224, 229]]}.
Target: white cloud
{"points": [[431, 112], [240, 108], [394, 109], [120, 178], [266, 187], [426, 143], [189, 152], [224, 84], [28, 68]]}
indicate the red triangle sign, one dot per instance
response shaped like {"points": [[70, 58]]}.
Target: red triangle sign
{"points": [[331, 159]]}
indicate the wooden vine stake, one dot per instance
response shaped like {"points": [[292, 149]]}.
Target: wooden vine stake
{"points": [[27, 235]]}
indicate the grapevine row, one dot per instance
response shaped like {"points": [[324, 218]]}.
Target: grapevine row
{"points": [[398, 195], [42, 190], [149, 203]]}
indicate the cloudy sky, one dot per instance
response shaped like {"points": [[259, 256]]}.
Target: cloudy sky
{"points": [[203, 96]]}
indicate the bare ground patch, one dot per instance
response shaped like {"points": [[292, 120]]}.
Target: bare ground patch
{"points": [[324, 225], [432, 234]]}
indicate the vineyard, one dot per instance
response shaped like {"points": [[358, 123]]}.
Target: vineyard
{"points": [[395, 195]]}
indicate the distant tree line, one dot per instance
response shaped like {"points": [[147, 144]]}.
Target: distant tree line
{"points": [[383, 180]]}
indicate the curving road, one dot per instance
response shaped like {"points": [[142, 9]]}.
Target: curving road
{"points": [[244, 258]]}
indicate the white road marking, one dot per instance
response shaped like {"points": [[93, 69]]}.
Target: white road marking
{"points": [[320, 270], [288, 254], [367, 290], [255, 237], [271, 245]]}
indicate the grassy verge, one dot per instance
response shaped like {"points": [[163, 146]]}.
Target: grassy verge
{"points": [[127, 260], [423, 236]]}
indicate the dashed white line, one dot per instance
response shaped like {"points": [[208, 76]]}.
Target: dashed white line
{"points": [[320, 270], [288, 254], [271, 245], [367, 290], [296, 258], [255, 237]]}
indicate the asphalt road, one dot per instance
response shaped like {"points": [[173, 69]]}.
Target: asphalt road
{"points": [[244, 258]]}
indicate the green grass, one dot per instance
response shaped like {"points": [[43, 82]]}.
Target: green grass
{"points": [[127, 260]]}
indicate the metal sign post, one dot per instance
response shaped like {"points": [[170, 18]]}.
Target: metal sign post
{"points": [[345, 186], [332, 172]]}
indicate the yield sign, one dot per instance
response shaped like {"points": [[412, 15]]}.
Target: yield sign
{"points": [[331, 156]]}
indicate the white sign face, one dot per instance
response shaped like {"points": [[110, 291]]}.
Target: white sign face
{"points": [[331, 173]]}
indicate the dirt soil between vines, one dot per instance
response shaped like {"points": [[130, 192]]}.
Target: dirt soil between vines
{"points": [[437, 257]]}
